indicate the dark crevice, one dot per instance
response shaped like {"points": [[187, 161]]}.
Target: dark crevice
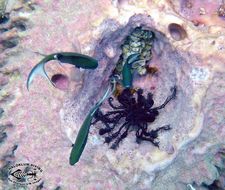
{"points": [[19, 25], [3, 137], [40, 186], [4, 171], [10, 43], [1, 112], [7, 159], [216, 185], [2, 30], [4, 127], [7, 98], [4, 18], [3, 134]]}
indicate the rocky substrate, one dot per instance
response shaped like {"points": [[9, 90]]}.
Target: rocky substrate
{"points": [[40, 126]]}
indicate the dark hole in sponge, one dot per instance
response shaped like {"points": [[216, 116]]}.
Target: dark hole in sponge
{"points": [[177, 32], [10, 43], [61, 81], [19, 25], [2, 30], [4, 18]]}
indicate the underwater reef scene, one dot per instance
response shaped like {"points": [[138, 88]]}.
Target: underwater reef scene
{"points": [[112, 94]]}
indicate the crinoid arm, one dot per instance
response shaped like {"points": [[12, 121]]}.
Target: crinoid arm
{"points": [[133, 111], [169, 98]]}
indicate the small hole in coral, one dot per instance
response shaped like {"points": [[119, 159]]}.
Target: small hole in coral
{"points": [[20, 25], [10, 42], [177, 32], [61, 81], [4, 18]]}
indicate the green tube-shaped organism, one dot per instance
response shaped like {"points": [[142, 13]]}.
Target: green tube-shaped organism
{"points": [[81, 139], [82, 136], [126, 72], [76, 59], [127, 76]]}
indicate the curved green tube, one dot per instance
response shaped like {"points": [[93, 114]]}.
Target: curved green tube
{"points": [[126, 72], [82, 136], [76, 59], [81, 139], [39, 69]]}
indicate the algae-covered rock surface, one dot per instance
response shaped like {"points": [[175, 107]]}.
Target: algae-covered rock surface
{"points": [[39, 126]]}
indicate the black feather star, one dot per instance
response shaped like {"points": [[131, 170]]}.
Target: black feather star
{"points": [[133, 113]]}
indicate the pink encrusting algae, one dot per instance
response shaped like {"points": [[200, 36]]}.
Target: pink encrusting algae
{"points": [[39, 126]]}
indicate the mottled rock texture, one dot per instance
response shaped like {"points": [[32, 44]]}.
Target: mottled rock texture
{"points": [[40, 126]]}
